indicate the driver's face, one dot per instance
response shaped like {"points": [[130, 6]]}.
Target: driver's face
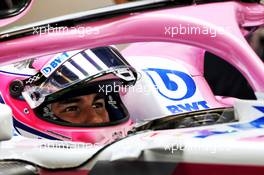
{"points": [[88, 109]]}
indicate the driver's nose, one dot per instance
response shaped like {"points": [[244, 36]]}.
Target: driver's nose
{"points": [[91, 115]]}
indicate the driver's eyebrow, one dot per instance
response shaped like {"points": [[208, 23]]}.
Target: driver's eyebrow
{"points": [[70, 100], [98, 97]]}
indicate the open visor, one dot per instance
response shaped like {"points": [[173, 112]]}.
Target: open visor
{"points": [[67, 69]]}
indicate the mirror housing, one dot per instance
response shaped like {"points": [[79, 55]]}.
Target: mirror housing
{"points": [[6, 122], [9, 8], [12, 10]]}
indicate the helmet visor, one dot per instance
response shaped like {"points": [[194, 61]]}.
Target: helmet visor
{"points": [[85, 65]]}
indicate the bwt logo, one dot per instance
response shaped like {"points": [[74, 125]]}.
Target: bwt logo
{"points": [[48, 69], [172, 84]]}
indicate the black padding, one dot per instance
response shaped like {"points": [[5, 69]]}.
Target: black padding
{"points": [[133, 168], [17, 168], [224, 79]]}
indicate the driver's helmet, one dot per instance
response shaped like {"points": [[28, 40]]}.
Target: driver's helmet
{"points": [[72, 95]]}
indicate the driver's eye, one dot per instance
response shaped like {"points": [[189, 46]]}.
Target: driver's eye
{"points": [[98, 104], [71, 109]]}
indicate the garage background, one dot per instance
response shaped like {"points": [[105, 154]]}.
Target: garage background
{"points": [[44, 9]]}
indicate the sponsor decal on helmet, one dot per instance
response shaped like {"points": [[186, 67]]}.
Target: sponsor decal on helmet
{"points": [[53, 64], [33, 79]]}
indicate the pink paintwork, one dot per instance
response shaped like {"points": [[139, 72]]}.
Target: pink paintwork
{"points": [[253, 139], [6, 21], [155, 26], [189, 57], [150, 26]]}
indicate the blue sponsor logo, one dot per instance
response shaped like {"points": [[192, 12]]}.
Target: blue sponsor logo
{"points": [[260, 108], [176, 86], [172, 84], [187, 107], [207, 133], [255, 124], [258, 123], [54, 64]]}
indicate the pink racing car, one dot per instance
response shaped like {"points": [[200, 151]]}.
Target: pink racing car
{"points": [[181, 69]]}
